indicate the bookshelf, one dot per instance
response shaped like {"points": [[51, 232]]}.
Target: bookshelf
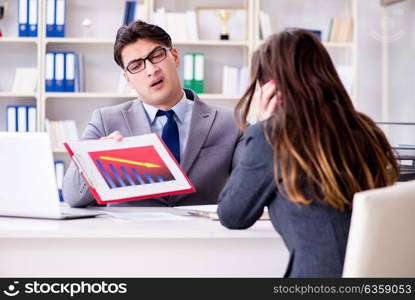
{"points": [[101, 72], [317, 15]]}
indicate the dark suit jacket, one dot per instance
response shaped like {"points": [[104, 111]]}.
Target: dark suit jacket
{"points": [[213, 149], [315, 235]]}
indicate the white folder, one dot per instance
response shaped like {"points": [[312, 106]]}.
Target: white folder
{"points": [[21, 118]]}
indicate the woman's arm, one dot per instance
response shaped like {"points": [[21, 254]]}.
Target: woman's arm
{"points": [[251, 185]]}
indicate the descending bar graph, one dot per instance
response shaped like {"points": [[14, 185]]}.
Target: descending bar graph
{"points": [[131, 167]]}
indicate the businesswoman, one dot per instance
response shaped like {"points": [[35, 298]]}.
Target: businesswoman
{"points": [[308, 156]]}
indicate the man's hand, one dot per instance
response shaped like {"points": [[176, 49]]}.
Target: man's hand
{"points": [[267, 99], [116, 135]]}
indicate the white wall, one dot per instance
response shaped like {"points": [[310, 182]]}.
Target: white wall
{"points": [[369, 72]]}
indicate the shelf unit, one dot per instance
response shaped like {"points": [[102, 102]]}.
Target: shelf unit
{"points": [[97, 47], [317, 15]]}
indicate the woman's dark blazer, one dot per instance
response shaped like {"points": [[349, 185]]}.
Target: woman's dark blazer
{"points": [[315, 234]]}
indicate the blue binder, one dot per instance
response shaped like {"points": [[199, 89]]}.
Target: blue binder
{"points": [[21, 118], [126, 12], [11, 118], [33, 18], [50, 18], [59, 173], [60, 18], [50, 72], [59, 71], [131, 14], [23, 15], [31, 118], [70, 73]]}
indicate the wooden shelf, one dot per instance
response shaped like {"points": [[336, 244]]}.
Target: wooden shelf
{"points": [[212, 43], [59, 150], [178, 43], [338, 45], [17, 95], [330, 44], [218, 97], [89, 95], [79, 41], [127, 96], [18, 40]]}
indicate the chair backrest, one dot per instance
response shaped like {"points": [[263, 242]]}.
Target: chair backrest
{"points": [[381, 240]]}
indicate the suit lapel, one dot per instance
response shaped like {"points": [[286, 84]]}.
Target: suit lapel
{"points": [[137, 119], [200, 125]]}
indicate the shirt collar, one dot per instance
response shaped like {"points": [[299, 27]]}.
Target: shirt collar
{"points": [[179, 109]]}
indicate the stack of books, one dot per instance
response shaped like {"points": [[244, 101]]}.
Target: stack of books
{"points": [[182, 26], [405, 154], [60, 132], [234, 80]]}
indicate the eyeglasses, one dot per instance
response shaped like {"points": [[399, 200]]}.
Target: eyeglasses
{"points": [[156, 56]]}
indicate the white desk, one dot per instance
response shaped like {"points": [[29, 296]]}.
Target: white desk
{"points": [[110, 247]]}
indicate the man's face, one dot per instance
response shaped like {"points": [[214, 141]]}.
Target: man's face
{"points": [[158, 84]]}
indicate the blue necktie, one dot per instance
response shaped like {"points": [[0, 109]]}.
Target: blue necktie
{"points": [[170, 133]]}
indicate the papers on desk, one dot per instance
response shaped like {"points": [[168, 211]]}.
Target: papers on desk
{"points": [[147, 216], [144, 215], [210, 211]]}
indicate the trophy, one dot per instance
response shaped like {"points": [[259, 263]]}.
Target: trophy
{"points": [[3, 9], [86, 23], [224, 18]]}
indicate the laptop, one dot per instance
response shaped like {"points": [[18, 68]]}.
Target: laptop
{"points": [[27, 179]]}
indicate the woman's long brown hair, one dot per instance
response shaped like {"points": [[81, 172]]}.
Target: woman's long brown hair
{"points": [[323, 148]]}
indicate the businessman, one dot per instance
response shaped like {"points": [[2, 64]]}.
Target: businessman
{"points": [[204, 140]]}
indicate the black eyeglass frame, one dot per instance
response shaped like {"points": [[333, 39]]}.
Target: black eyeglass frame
{"points": [[148, 57]]}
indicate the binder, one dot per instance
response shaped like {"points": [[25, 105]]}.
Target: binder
{"points": [[230, 80], [140, 12], [69, 72], [191, 26], [23, 17], [79, 73], [59, 71], [33, 18], [21, 118], [60, 18], [199, 72], [188, 71], [11, 118], [31, 118], [50, 68], [59, 173], [50, 18], [243, 80], [125, 17], [131, 13], [128, 12]]}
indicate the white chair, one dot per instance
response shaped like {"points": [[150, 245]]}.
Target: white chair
{"points": [[382, 233]]}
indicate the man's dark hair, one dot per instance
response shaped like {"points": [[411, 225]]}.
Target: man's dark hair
{"points": [[136, 30]]}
